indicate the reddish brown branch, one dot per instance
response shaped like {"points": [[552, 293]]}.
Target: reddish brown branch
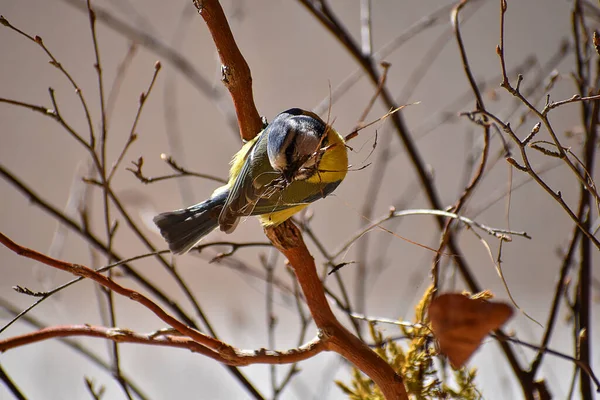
{"points": [[193, 340], [288, 239], [81, 270], [236, 358], [235, 72]]}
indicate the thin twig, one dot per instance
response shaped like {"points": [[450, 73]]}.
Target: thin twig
{"points": [[133, 133], [557, 196], [502, 234], [54, 62], [515, 91], [181, 172]]}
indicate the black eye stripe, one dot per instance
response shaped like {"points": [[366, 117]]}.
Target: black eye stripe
{"points": [[290, 147]]}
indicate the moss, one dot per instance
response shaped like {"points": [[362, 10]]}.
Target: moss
{"points": [[413, 358]]}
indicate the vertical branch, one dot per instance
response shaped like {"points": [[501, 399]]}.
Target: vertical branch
{"points": [[110, 229], [583, 326], [584, 294], [98, 67], [235, 73], [589, 119]]}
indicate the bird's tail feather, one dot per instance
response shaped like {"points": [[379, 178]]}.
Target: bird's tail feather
{"points": [[183, 229]]}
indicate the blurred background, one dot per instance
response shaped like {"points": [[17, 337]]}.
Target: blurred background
{"points": [[294, 63]]}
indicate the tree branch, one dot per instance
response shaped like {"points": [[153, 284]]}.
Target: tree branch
{"points": [[235, 73], [288, 239]]}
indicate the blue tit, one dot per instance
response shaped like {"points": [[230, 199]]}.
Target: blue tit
{"points": [[295, 160]]}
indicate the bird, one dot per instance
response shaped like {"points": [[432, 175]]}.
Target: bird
{"points": [[295, 160]]}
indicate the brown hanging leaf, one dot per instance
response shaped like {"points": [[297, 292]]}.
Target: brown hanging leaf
{"points": [[460, 323]]}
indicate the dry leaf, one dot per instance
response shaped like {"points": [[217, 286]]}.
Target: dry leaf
{"points": [[460, 324]]}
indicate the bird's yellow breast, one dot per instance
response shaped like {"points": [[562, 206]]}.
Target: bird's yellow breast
{"points": [[333, 165]]}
